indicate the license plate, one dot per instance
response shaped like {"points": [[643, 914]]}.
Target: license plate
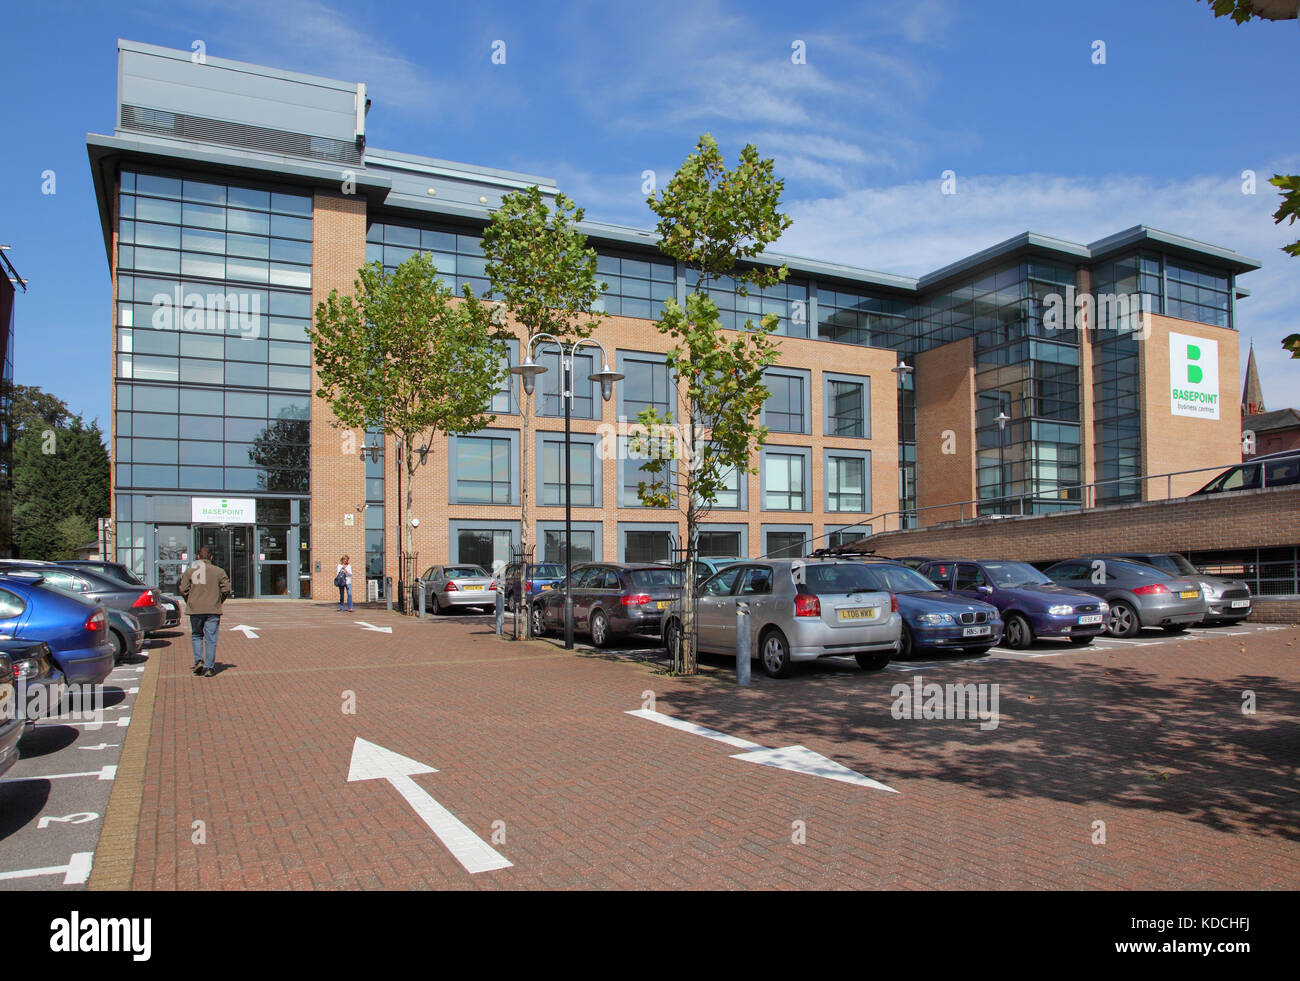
{"points": [[1090, 618], [975, 631], [664, 604], [1190, 593], [471, 587], [858, 613], [547, 585], [1240, 604]]}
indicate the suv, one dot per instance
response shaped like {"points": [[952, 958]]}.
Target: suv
{"points": [[1270, 470], [800, 610], [610, 600], [1228, 600]]}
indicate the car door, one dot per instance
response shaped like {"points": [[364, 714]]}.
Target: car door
{"points": [[756, 590], [585, 583], [968, 580], [715, 610]]}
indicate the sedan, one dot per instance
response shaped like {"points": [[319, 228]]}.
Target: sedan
{"points": [[934, 619], [800, 610], [1140, 595], [459, 585], [170, 604], [1032, 604], [1227, 600], [125, 633], [611, 600], [140, 601], [75, 629]]}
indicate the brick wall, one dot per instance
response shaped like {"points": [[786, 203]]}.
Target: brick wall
{"points": [[945, 403]]}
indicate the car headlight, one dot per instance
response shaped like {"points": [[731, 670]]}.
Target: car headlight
{"points": [[1061, 610], [935, 619], [1105, 607]]}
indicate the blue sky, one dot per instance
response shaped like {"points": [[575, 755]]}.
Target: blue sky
{"points": [[1002, 92]]}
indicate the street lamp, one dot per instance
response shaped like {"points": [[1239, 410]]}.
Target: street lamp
{"points": [[1002, 421], [528, 372]]}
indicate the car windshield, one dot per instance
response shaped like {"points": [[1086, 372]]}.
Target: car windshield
{"points": [[1012, 574], [844, 577], [656, 578], [465, 572], [897, 579], [547, 570]]}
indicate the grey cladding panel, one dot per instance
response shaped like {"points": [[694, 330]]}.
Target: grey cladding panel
{"points": [[216, 92]]}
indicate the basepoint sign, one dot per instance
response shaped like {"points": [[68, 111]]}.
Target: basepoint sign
{"points": [[223, 510], [1193, 377]]}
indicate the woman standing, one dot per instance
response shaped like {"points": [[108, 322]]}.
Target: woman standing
{"points": [[343, 580]]}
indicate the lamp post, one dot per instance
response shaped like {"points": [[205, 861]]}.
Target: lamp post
{"points": [[528, 371], [1003, 419]]}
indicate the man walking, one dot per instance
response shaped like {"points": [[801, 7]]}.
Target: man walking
{"points": [[205, 587]]}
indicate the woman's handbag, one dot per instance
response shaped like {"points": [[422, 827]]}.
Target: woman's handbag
{"points": [[341, 579]]}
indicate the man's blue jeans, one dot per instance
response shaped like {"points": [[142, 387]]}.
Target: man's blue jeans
{"points": [[203, 634]]}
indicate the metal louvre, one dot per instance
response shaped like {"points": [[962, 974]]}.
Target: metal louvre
{"points": [[203, 130]]}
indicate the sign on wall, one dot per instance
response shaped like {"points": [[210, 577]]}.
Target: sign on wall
{"points": [[223, 510], [1193, 376]]}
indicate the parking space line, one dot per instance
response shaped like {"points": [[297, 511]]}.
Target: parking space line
{"points": [[75, 873], [104, 773]]}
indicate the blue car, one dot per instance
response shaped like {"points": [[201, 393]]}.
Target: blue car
{"points": [[1032, 605], [541, 577], [934, 619], [75, 630]]}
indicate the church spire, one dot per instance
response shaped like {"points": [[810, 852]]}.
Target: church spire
{"points": [[1252, 394]]}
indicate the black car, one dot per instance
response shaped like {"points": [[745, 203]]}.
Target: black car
{"points": [[11, 717], [37, 683], [610, 600], [1271, 470]]}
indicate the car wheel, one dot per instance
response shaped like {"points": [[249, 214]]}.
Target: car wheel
{"points": [[1177, 628], [907, 647], [539, 621], [1124, 620], [872, 660], [1018, 632], [1081, 641], [672, 639], [599, 629], [119, 645], [438, 608], [776, 654]]}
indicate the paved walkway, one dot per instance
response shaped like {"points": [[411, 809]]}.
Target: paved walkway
{"points": [[540, 764]]}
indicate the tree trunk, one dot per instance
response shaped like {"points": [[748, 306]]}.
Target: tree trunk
{"points": [[406, 519], [687, 485]]}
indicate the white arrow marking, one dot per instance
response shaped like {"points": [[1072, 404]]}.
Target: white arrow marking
{"points": [[101, 746], [90, 726], [78, 817], [249, 632], [107, 773], [371, 762], [75, 873], [800, 759], [371, 626]]}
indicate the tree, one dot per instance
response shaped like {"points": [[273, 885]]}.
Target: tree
{"points": [[1242, 11], [714, 221], [74, 532], [544, 273], [60, 469], [404, 355]]}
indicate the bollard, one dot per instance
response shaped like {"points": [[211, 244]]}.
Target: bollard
{"points": [[501, 613], [420, 587], [743, 648], [388, 592]]}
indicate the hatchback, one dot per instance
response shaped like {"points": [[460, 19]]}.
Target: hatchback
{"points": [[139, 601], [611, 600], [75, 629], [448, 586], [1032, 604], [171, 605], [1140, 595], [800, 610], [1271, 470]]}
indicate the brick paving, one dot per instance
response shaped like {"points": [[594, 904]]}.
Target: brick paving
{"points": [[1149, 740]]}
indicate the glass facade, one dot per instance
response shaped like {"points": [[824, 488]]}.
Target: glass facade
{"points": [[213, 362]]}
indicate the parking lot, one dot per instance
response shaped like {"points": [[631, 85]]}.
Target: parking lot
{"points": [[368, 751]]}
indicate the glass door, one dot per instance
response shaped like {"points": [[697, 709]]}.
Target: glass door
{"points": [[273, 561], [233, 550]]}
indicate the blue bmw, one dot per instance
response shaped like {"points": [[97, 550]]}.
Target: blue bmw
{"points": [[934, 619]]}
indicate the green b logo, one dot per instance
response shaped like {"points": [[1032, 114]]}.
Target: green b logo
{"points": [[1194, 374]]}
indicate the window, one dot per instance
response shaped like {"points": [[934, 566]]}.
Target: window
{"points": [[10, 605], [720, 544], [847, 483], [785, 544], [969, 577], [584, 546], [731, 495], [646, 386], [648, 543], [632, 466], [847, 406], [846, 535], [940, 575], [720, 585], [786, 408], [757, 582], [785, 481], [483, 546], [550, 386], [503, 402], [481, 470], [635, 287], [585, 473]]}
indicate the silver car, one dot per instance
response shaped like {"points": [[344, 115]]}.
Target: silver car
{"points": [[800, 610], [447, 586]]}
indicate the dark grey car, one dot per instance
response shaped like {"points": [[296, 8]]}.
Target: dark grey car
{"points": [[1228, 600], [142, 602], [610, 600], [116, 570], [1140, 595]]}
